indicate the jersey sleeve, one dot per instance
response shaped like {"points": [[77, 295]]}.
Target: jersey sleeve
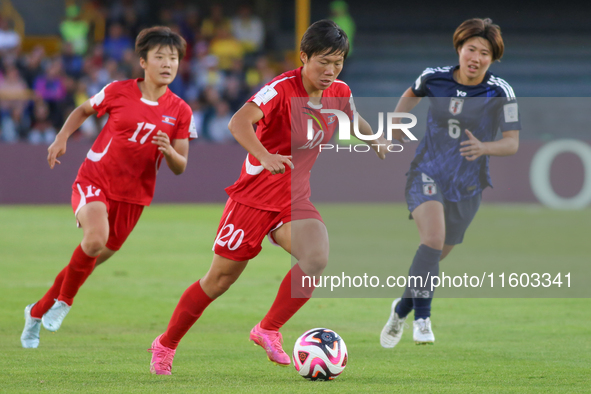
{"points": [[349, 108], [419, 88], [509, 116], [508, 109], [102, 101], [268, 99], [186, 127]]}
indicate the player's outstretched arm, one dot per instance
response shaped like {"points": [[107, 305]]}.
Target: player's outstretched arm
{"points": [[73, 123], [380, 145], [176, 154], [473, 148], [407, 102], [241, 127]]}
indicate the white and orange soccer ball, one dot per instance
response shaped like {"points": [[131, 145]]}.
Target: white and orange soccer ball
{"points": [[320, 354]]}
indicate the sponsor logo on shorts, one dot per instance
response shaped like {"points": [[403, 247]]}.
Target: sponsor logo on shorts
{"points": [[426, 178]]}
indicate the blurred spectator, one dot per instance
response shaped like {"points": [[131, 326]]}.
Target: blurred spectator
{"points": [[208, 74], [9, 39], [130, 65], [33, 65], [75, 30], [235, 93], [42, 131], [215, 21], [339, 13], [108, 73], [218, 125], [98, 56], [197, 108], [209, 97], [51, 88], [166, 17], [260, 75], [13, 101], [190, 26], [237, 70], [92, 81], [226, 48], [72, 62], [81, 94], [89, 129], [248, 29], [128, 10], [117, 42]]}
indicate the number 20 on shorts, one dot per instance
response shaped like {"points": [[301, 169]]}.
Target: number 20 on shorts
{"points": [[228, 235]]}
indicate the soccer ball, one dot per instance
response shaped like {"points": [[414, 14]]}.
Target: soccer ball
{"points": [[320, 354]]}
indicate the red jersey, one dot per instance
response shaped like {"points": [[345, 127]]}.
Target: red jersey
{"points": [[283, 129], [123, 162]]}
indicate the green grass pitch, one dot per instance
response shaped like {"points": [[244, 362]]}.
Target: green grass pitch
{"points": [[482, 345]]}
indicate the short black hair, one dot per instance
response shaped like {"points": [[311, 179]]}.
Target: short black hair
{"points": [[158, 36], [324, 37]]}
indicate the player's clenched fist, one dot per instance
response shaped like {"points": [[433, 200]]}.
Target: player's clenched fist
{"points": [[276, 163]]}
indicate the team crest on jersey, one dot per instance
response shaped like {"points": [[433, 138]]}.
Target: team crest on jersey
{"points": [[455, 105], [168, 120], [429, 189], [332, 119]]}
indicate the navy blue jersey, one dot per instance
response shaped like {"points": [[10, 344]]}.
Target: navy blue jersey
{"points": [[482, 109]]}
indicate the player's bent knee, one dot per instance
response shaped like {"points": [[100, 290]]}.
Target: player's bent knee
{"points": [[314, 265], [93, 244], [434, 241]]}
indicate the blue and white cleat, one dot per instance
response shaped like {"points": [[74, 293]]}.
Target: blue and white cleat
{"points": [[53, 318], [392, 331], [30, 335], [422, 333]]}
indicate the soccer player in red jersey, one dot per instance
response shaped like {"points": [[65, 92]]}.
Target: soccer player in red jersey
{"points": [[147, 123], [272, 194]]}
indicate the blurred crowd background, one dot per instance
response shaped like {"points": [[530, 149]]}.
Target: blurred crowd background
{"points": [[61, 52], [229, 57]]}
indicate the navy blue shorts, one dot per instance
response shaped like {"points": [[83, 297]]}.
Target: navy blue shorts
{"points": [[458, 215]]}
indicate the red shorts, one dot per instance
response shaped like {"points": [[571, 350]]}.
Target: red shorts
{"points": [[123, 216], [243, 228]]}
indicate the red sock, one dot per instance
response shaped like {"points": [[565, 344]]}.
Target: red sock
{"points": [[49, 298], [190, 307], [286, 303], [80, 267]]}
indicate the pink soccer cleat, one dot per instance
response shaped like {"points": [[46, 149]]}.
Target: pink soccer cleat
{"points": [[271, 341], [162, 357]]}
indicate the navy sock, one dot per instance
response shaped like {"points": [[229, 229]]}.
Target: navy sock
{"points": [[404, 307], [425, 265]]}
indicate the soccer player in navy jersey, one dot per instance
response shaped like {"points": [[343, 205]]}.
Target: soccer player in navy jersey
{"points": [[444, 185]]}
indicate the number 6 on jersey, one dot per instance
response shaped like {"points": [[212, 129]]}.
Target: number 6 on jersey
{"points": [[454, 128]]}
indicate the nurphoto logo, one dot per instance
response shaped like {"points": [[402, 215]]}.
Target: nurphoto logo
{"points": [[345, 130]]}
